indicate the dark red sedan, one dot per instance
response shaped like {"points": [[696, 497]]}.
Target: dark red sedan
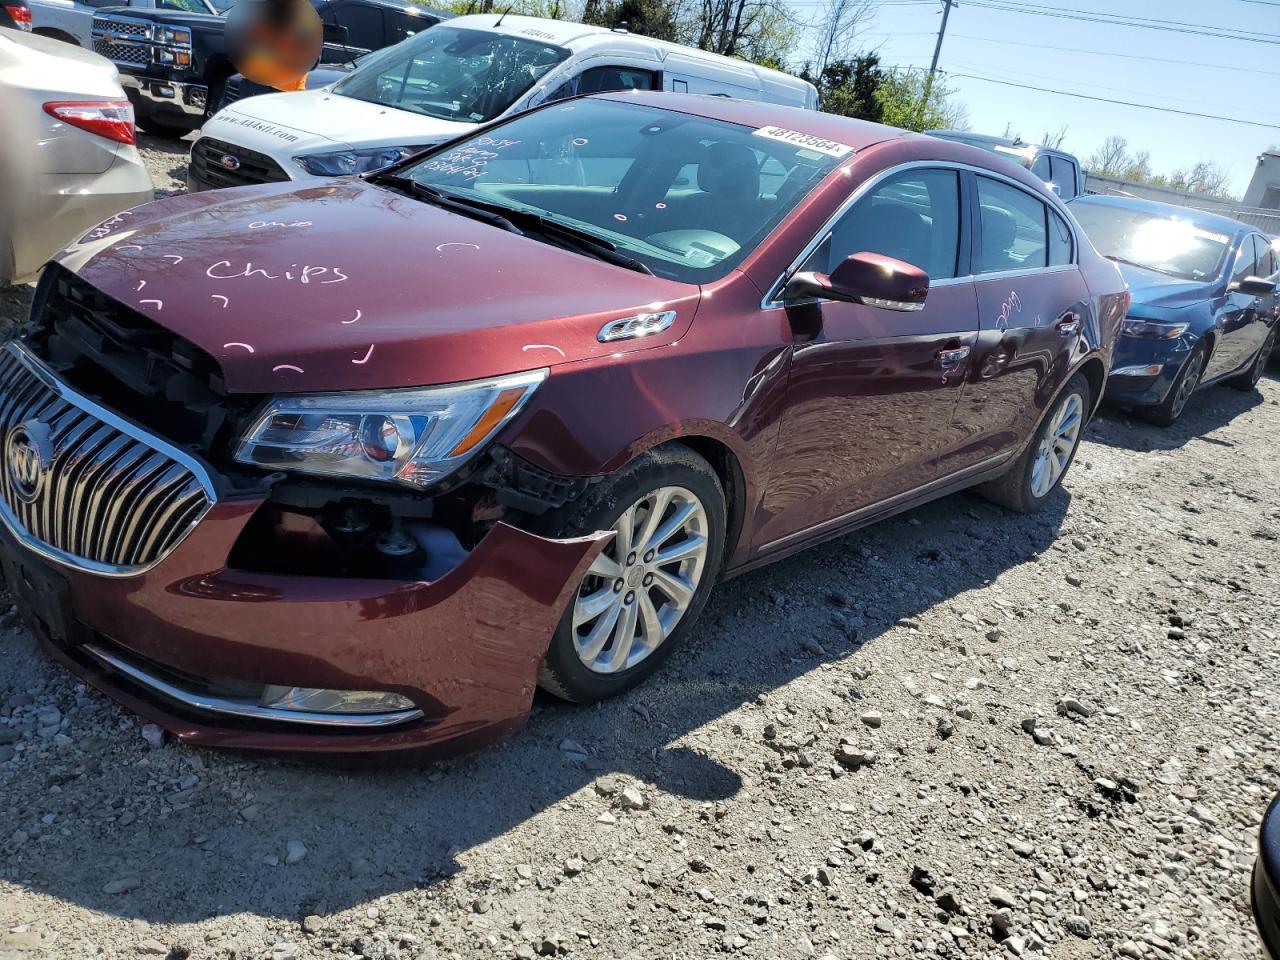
{"points": [[356, 466]]}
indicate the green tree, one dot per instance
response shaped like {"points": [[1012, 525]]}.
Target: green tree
{"points": [[848, 87], [652, 18], [901, 96]]}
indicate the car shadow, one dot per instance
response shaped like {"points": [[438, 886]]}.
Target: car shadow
{"points": [[375, 832], [1208, 409]]}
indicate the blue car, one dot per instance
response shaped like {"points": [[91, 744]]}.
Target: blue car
{"points": [[1204, 301]]}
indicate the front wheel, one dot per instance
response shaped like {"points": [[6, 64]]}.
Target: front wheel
{"points": [[1027, 485], [644, 592], [1167, 412]]}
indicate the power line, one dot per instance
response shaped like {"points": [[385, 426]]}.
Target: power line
{"points": [[1199, 30], [1123, 103], [1108, 53]]}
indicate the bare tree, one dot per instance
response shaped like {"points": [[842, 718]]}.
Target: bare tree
{"points": [[1112, 159], [1204, 177], [839, 25], [1053, 140]]}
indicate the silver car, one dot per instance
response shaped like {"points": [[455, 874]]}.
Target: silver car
{"points": [[68, 159]]}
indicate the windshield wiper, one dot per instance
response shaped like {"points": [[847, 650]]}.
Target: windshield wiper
{"points": [[515, 220], [1143, 266], [447, 201]]}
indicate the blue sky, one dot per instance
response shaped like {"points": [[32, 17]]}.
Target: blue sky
{"points": [[995, 44]]}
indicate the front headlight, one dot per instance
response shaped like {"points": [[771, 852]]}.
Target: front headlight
{"points": [[1152, 329], [414, 437], [341, 163], [173, 35]]}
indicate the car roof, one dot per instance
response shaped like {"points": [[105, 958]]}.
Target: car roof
{"points": [[1201, 218], [858, 134], [965, 135], [412, 9]]}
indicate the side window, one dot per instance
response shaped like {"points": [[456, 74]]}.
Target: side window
{"points": [[1267, 264], [600, 79], [913, 216], [1013, 228], [402, 26], [1246, 263], [1041, 167], [1059, 240], [1064, 177], [364, 25]]}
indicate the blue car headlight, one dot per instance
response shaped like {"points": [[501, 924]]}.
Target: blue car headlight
{"points": [[1152, 329], [341, 163]]}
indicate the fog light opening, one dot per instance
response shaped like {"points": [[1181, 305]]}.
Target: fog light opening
{"points": [[318, 700]]}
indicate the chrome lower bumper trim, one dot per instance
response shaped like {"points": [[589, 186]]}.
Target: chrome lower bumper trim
{"points": [[190, 98], [246, 709]]}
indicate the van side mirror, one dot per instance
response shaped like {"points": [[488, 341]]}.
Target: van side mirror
{"points": [[868, 278], [336, 34], [1254, 287]]}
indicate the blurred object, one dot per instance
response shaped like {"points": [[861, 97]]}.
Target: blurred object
{"points": [[16, 15], [68, 159], [274, 42]]}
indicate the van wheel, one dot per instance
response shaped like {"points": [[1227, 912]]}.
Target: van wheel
{"points": [[1249, 379], [1028, 484], [643, 594], [1167, 412]]}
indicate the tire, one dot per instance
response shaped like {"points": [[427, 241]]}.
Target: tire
{"points": [[1167, 412], [1024, 488], [580, 637], [1248, 380]]}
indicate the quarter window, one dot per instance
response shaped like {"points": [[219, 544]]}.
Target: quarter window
{"points": [[1013, 229], [912, 216], [1059, 240], [1041, 167]]}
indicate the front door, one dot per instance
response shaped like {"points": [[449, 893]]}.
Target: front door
{"points": [[872, 391]]}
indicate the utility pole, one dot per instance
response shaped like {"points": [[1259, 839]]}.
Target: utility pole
{"points": [[933, 67]]}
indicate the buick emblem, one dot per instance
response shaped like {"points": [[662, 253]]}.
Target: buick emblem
{"points": [[230, 162], [28, 453]]}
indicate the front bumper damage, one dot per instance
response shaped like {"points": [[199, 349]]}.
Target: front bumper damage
{"points": [[464, 650]]}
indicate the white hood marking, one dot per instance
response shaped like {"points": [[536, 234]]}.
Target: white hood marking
{"points": [[159, 304], [355, 318], [441, 246], [141, 284], [366, 359], [218, 296], [541, 346], [228, 346], [174, 257], [287, 366]]}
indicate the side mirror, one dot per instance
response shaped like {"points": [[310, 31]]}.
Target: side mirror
{"points": [[868, 278], [336, 34], [1254, 287]]}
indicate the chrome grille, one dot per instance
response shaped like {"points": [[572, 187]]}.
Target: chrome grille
{"points": [[122, 27], [110, 498], [120, 52]]}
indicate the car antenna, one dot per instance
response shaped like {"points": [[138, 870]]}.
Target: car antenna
{"points": [[504, 15]]}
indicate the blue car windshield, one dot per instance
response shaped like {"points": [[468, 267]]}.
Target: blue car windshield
{"points": [[1169, 245]]}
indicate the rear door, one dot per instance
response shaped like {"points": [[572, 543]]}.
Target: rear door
{"points": [[1033, 305], [871, 396]]}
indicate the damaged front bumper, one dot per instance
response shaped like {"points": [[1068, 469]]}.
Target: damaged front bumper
{"points": [[190, 644]]}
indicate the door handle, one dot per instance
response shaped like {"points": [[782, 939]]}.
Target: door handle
{"points": [[1068, 325], [949, 358]]}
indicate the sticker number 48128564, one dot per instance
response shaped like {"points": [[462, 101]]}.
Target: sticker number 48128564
{"points": [[805, 141]]}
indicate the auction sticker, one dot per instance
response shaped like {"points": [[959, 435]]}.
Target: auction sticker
{"points": [[805, 140]]}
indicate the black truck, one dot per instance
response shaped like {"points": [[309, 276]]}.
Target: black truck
{"points": [[173, 62]]}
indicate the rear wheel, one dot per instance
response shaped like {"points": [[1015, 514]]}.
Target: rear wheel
{"points": [[1249, 379], [644, 592], [1027, 485], [1167, 412]]}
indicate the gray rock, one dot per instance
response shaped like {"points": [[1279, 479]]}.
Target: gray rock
{"points": [[632, 799], [573, 866], [1079, 926], [122, 885], [1001, 897], [872, 718], [153, 735], [294, 852]]}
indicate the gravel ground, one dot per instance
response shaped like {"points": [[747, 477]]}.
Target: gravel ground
{"points": [[960, 733]]}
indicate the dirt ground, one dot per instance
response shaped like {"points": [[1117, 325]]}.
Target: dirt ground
{"points": [[961, 733]]}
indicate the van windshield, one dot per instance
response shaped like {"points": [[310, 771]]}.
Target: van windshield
{"points": [[686, 197], [466, 75]]}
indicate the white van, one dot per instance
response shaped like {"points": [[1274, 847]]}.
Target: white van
{"points": [[445, 81]]}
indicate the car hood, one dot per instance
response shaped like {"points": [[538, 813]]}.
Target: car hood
{"points": [[343, 285], [178, 18], [319, 119], [1151, 288]]}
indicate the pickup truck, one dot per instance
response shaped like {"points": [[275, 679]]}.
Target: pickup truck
{"points": [[173, 58]]}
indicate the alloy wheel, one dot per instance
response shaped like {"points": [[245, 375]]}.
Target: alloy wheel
{"points": [[1058, 445], [1187, 385], [642, 584]]}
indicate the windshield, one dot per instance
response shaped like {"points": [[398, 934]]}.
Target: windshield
{"points": [[193, 6], [451, 74], [685, 196], [222, 6], [1165, 244]]}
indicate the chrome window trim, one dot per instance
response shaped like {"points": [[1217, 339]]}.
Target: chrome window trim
{"points": [[66, 393], [243, 708], [771, 301]]}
